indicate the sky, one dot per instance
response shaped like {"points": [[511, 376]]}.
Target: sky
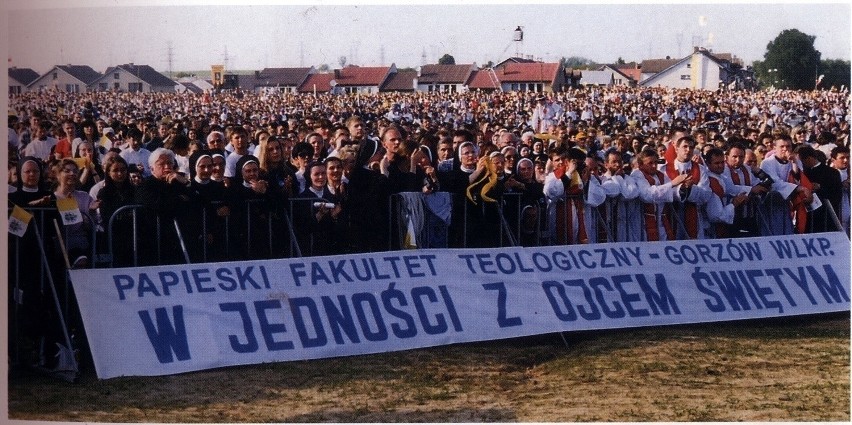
{"points": [[195, 35]]}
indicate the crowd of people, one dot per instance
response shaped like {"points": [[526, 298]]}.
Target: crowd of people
{"points": [[572, 158], [267, 175]]}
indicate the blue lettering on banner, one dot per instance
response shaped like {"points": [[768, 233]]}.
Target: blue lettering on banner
{"points": [[166, 337], [741, 290], [318, 339], [340, 319], [166, 283], [803, 248], [378, 302], [251, 345], [582, 259], [502, 320], [714, 253], [369, 269], [660, 301]]}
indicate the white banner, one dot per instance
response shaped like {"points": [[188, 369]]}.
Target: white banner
{"points": [[172, 319]]}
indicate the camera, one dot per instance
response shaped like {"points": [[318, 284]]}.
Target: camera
{"points": [[765, 179], [323, 204]]}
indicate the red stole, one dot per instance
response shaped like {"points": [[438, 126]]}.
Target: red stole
{"points": [[652, 230], [735, 177], [565, 215], [690, 210], [797, 204], [719, 190]]}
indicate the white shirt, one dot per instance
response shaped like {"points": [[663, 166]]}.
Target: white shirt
{"points": [[40, 148], [139, 158]]}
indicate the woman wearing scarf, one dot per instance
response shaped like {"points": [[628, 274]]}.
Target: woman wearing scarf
{"points": [[253, 201], [319, 216], [206, 230]]}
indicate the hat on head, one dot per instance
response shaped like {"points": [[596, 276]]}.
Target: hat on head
{"points": [[580, 135]]}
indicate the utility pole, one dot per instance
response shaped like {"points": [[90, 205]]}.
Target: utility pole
{"points": [[170, 58], [225, 58]]}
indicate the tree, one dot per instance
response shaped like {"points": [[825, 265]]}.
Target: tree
{"points": [[323, 68], [576, 62], [836, 73], [620, 61], [486, 65], [447, 59], [342, 61], [790, 61]]}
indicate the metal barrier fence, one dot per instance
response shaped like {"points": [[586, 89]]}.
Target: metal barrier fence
{"points": [[622, 220], [134, 236]]}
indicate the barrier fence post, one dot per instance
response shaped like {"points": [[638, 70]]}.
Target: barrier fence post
{"points": [[69, 355]]}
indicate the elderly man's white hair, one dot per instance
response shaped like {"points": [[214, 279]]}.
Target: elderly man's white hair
{"points": [[160, 152]]}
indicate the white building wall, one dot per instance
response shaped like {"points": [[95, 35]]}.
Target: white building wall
{"points": [[438, 87], [698, 72], [63, 82], [16, 87]]}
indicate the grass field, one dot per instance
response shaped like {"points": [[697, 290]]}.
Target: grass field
{"points": [[792, 369]]}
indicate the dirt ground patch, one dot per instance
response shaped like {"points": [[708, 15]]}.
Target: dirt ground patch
{"points": [[792, 369]]}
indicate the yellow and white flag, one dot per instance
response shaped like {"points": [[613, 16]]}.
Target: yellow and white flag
{"points": [[69, 211], [18, 221], [410, 240]]}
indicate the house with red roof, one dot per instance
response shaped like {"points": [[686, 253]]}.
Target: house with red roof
{"points": [[400, 81], [317, 83], [530, 76], [444, 78], [619, 76], [483, 80], [361, 79]]}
